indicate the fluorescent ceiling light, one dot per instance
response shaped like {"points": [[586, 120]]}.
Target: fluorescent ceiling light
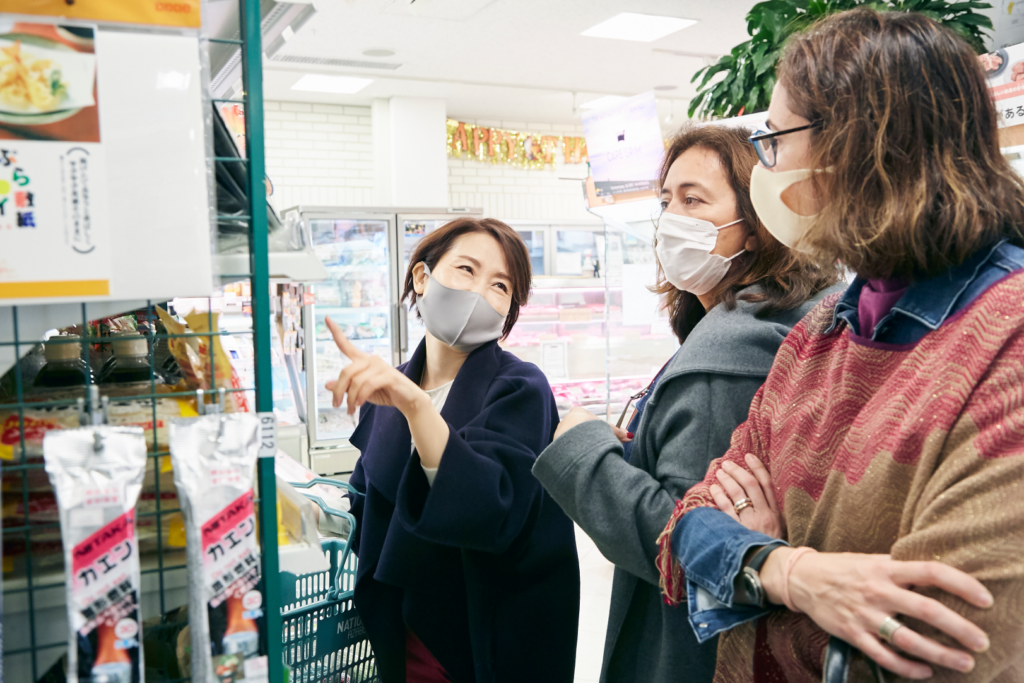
{"points": [[640, 27], [602, 102], [340, 85]]}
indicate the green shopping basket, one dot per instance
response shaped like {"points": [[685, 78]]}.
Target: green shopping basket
{"points": [[324, 640]]}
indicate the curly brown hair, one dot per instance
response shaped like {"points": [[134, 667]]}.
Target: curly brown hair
{"points": [[786, 279], [908, 132]]}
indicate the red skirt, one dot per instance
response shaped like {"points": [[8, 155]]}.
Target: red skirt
{"points": [[420, 665]]}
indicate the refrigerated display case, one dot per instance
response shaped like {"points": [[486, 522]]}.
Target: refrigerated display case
{"points": [[366, 253], [591, 324]]}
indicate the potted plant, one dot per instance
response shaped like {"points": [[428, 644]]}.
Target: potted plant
{"points": [[750, 67]]}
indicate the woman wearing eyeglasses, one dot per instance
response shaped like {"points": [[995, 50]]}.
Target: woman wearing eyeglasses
{"points": [[733, 293], [892, 423]]}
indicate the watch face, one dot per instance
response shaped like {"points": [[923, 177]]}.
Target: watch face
{"points": [[752, 584]]}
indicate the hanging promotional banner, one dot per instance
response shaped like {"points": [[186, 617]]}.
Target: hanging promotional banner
{"points": [[54, 237], [178, 13], [626, 146], [512, 147]]}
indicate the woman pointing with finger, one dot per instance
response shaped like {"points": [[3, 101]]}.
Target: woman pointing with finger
{"points": [[467, 570]]}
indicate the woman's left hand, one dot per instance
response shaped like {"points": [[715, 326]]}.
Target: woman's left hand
{"points": [[736, 484], [370, 378], [579, 415]]}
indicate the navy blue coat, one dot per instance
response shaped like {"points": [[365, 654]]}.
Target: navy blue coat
{"points": [[482, 566]]}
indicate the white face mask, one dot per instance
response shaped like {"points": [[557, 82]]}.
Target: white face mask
{"points": [[684, 250], [766, 188]]}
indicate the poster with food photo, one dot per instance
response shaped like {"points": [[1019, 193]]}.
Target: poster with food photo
{"points": [[48, 83], [53, 218]]}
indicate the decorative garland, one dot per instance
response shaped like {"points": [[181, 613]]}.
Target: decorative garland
{"points": [[500, 146]]}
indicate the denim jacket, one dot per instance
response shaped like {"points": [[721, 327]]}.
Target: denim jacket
{"points": [[710, 545]]}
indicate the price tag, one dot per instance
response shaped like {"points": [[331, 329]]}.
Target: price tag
{"points": [[256, 669], [268, 435]]}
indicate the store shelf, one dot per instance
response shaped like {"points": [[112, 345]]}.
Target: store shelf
{"points": [[358, 268], [343, 309], [376, 341], [297, 266]]}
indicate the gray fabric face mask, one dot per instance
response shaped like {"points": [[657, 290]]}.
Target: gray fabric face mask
{"points": [[462, 320]]}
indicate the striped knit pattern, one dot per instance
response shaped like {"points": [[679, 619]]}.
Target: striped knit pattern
{"points": [[915, 451]]}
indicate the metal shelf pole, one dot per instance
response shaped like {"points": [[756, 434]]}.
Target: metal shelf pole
{"points": [[252, 84]]}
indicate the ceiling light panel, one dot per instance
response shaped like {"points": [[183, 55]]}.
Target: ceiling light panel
{"points": [[340, 85], [642, 28]]}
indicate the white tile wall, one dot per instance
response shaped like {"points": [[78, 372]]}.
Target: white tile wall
{"points": [[319, 154], [323, 154]]}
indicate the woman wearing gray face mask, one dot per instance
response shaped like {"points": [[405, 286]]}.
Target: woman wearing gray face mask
{"points": [[467, 570], [733, 292]]}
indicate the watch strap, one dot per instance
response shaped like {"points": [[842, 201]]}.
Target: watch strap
{"points": [[761, 556]]}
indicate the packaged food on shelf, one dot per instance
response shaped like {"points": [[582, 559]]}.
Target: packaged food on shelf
{"points": [[65, 369], [96, 474], [185, 352], [214, 459], [37, 422], [129, 364], [226, 377]]}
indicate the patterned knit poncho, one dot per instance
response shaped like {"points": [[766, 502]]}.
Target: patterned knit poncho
{"points": [[916, 451]]}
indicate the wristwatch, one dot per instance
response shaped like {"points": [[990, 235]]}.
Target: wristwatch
{"points": [[750, 577]]}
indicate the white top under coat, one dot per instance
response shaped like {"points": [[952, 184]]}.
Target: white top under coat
{"points": [[437, 396]]}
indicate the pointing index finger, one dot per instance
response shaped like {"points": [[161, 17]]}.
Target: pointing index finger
{"points": [[343, 343]]}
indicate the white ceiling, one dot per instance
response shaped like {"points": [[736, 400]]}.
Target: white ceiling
{"points": [[507, 60]]}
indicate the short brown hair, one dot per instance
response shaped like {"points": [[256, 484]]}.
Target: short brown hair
{"points": [[916, 181], [436, 244], [786, 280]]}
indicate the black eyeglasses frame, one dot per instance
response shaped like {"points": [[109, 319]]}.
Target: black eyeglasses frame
{"points": [[760, 135]]}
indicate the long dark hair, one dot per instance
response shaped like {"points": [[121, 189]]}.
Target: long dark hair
{"points": [[786, 280], [916, 182], [436, 244]]}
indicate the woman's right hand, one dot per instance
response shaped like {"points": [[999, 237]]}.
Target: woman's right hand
{"points": [[736, 484], [851, 594]]}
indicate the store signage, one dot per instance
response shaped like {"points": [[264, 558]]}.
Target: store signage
{"points": [[1004, 70], [626, 146], [104, 185], [54, 223], [177, 13], [501, 146]]}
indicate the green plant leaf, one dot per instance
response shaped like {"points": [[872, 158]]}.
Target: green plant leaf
{"points": [[979, 20], [749, 68]]}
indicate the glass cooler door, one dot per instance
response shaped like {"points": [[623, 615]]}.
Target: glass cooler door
{"points": [[358, 253], [411, 229]]}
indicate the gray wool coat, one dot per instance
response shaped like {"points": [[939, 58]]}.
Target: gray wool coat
{"points": [[702, 396]]}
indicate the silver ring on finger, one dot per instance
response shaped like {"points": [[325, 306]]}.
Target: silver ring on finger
{"points": [[742, 504], [889, 627]]}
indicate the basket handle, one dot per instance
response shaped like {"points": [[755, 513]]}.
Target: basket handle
{"points": [[335, 593]]}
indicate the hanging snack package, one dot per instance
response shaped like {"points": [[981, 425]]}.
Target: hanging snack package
{"points": [[214, 461], [226, 376], [189, 364], [97, 473]]}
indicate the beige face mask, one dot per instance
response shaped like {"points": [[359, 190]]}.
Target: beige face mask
{"points": [[766, 188]]}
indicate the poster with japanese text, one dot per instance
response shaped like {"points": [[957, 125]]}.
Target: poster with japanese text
{"points": [[54, 238], [625, 146], [182, 13]]}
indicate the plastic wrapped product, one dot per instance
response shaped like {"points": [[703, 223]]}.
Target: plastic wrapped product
{"points": [[214, 460], [297, 541], [97, 473]]}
